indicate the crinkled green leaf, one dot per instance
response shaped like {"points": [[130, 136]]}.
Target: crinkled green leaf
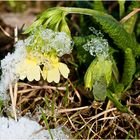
{"points": [[129, 67], [83, 56]]}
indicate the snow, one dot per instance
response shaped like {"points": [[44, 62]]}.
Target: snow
{"points": [[27, 129]]}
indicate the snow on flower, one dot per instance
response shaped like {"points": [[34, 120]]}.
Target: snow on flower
{"points": [[46, 40], [41, 49], [97, 46], [8, 66]]}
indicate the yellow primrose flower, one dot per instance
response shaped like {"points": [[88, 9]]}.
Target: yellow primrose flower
{"points": [[29, 68], [52, 71]]}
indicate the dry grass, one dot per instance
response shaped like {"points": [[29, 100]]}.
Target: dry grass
{"points": [[65, 105]]}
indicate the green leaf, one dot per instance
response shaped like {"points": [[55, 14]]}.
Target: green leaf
{"points": [[119, 106], [12, 3], [53, 18], [33, 26], [47, 124], [83, 56], [128, 135], [119, 89], [138, 29], [129, 68], [107, 68], [129, 24], [136, 134], [81, 40], [121, 38], [84, 4], [115, 71], [121, 7], [98, 5], [64, 27]]}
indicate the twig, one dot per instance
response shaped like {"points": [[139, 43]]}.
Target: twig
{"points": [[98, 115], [7, 34], [108, 107], [135, 119], [15, 93], [44, 87], [12, 100], [123, 130], [16, 34], [136, 10], [72, 109], [25, 90], [108, 118], [26, 98], [72, 116], [85, 122], [71, 123], [75, 90], [49, 87]]}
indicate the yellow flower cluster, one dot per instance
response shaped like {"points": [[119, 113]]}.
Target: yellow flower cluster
{"points": [[30, 69], [42, 51], [52, 71], [52, 68]]}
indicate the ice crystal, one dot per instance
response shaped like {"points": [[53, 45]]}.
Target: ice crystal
{"points": [[97, 46], [47, 40], [96, 32], [8, 66]]}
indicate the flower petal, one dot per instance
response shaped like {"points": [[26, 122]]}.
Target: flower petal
{"points": [[21, 70], [44, 73], [33, 73], [30, 75], [53, 75], [37, 70], [22, 76], [64, 70]]}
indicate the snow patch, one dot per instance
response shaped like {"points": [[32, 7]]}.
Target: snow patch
{"points": [[27, 129]]}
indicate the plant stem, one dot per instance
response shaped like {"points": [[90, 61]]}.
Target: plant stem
{"points": [[85, 11]]}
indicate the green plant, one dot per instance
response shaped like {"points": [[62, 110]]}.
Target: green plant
{"points": [[124, 43]]}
